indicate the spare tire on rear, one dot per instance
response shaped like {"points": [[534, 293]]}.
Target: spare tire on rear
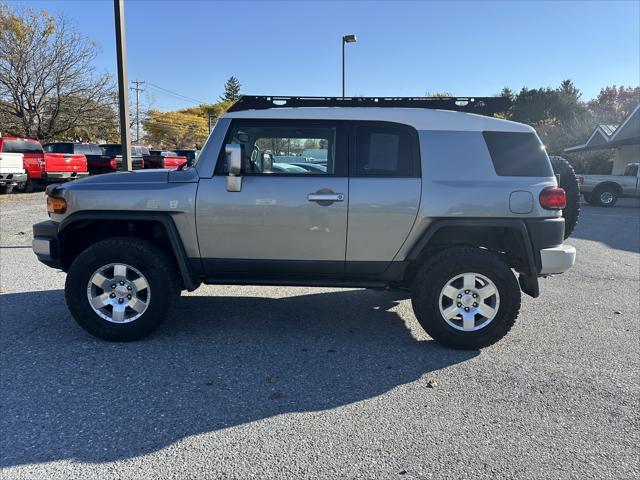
{"points": [[569, 182]]}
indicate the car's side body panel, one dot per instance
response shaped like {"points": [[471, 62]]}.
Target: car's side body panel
{"points": [[143, 191], [382, 212], [459, 181], [271, 218]]}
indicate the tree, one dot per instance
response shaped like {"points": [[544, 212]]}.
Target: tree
{"points": [[175, 129], [186, 128], [48, 85], [613, 104], [231, 90]]}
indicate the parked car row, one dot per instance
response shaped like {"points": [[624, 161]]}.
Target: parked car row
{"points": [[25, 162]]}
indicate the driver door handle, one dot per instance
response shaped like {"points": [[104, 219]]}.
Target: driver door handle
{"points": [[325, 197]]}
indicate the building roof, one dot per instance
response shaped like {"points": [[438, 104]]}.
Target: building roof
{"points": [[420, 119], [607, 136]]}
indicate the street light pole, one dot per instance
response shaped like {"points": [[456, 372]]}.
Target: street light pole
{"points": [[123, 84], [346, 39]]}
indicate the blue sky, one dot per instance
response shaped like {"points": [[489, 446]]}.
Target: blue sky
{"points": [[403, 48]]}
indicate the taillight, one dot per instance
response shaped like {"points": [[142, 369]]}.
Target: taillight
{"points": [[113, 163], [580, 180], [553, 198]]}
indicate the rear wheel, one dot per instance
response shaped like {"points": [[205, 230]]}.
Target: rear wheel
{"points": [[466, 298], [569, 182], [605, 196], [121, 289], [6, 189]]}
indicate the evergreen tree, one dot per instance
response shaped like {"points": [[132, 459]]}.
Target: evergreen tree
{"points": [[231, 90]]}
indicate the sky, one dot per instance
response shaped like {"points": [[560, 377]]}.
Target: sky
{"points": [[403, 48]]}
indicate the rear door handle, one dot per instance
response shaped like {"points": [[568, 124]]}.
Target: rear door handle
{"points": [[325, 197]]}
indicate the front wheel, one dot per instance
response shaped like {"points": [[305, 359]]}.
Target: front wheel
{"points": [[466, 298], [121, 289], [6, 189]]}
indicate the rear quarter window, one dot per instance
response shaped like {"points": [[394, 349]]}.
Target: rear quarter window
{"points": [[518, 154]]}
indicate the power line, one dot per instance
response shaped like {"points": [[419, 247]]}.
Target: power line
{"points": [[176, 94]]}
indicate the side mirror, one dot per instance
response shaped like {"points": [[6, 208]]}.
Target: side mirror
{"points": [[234, 162]]}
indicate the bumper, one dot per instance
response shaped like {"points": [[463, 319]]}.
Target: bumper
{"points": [[45, 243], [12, 178], [557, 259], [62, 176]]}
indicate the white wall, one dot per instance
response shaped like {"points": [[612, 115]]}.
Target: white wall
{"points": [[625, 155]]}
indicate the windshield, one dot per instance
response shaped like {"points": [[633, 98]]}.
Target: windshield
{"points": [[21, 146]]}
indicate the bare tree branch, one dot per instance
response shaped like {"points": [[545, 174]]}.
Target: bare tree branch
{"points": [[48, 84]]}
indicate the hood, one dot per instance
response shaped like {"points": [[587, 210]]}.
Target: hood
{"points": [[114, 180], [135, 176]]}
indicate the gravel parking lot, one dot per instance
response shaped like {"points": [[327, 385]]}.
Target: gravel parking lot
{"points": [[264, 382]]}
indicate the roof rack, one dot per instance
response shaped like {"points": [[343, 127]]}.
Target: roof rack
{"points": [[479, 105]]}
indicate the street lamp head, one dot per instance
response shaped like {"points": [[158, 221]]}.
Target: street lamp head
{"points": [[349, 39]]}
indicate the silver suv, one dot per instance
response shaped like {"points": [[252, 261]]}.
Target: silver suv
{"points": [[462, 210]]}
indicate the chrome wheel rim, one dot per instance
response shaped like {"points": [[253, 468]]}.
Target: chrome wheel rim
{"points": [[606, 197], [118, 293], [469, 302]]}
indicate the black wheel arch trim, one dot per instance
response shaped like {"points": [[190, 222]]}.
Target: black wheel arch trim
{"points": [[184, 266], [546, 232]]}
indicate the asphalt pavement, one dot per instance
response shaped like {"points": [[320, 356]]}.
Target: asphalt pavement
{"points": [[273, 382]]}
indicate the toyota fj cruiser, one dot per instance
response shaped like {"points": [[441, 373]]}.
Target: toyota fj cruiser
{"points": [[422, 194]]}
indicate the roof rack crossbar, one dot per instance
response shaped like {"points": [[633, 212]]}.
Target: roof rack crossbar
{"points": [[479, 105]]}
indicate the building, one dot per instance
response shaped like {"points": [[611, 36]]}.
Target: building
{"points": [[625, 138]]}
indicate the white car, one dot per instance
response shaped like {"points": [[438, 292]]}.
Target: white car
{"points": [[11, 171]]}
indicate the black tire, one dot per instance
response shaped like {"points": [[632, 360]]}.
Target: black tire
{"points": [[447, 264], [152, 262], [569, 182], [608, 192], [25, 187], [6, 189]]}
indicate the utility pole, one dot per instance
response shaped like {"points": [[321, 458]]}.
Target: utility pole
{"points": [[123, 84], [138, 90]]}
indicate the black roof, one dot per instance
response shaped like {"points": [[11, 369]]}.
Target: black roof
{"points": [[479, 105]]}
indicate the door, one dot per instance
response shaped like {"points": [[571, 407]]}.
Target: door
{"points": [[290, 215], [384, 193]]}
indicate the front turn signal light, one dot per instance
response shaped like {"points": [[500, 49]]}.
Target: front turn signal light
{"points": [[56, 205]]}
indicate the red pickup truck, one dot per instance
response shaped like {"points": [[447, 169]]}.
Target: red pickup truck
{"points": [[163, 159], [44, 167]]}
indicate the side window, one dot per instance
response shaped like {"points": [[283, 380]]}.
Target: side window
{"points": [[386, 151], [517, 154], [631, 171], [284, 149]]}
